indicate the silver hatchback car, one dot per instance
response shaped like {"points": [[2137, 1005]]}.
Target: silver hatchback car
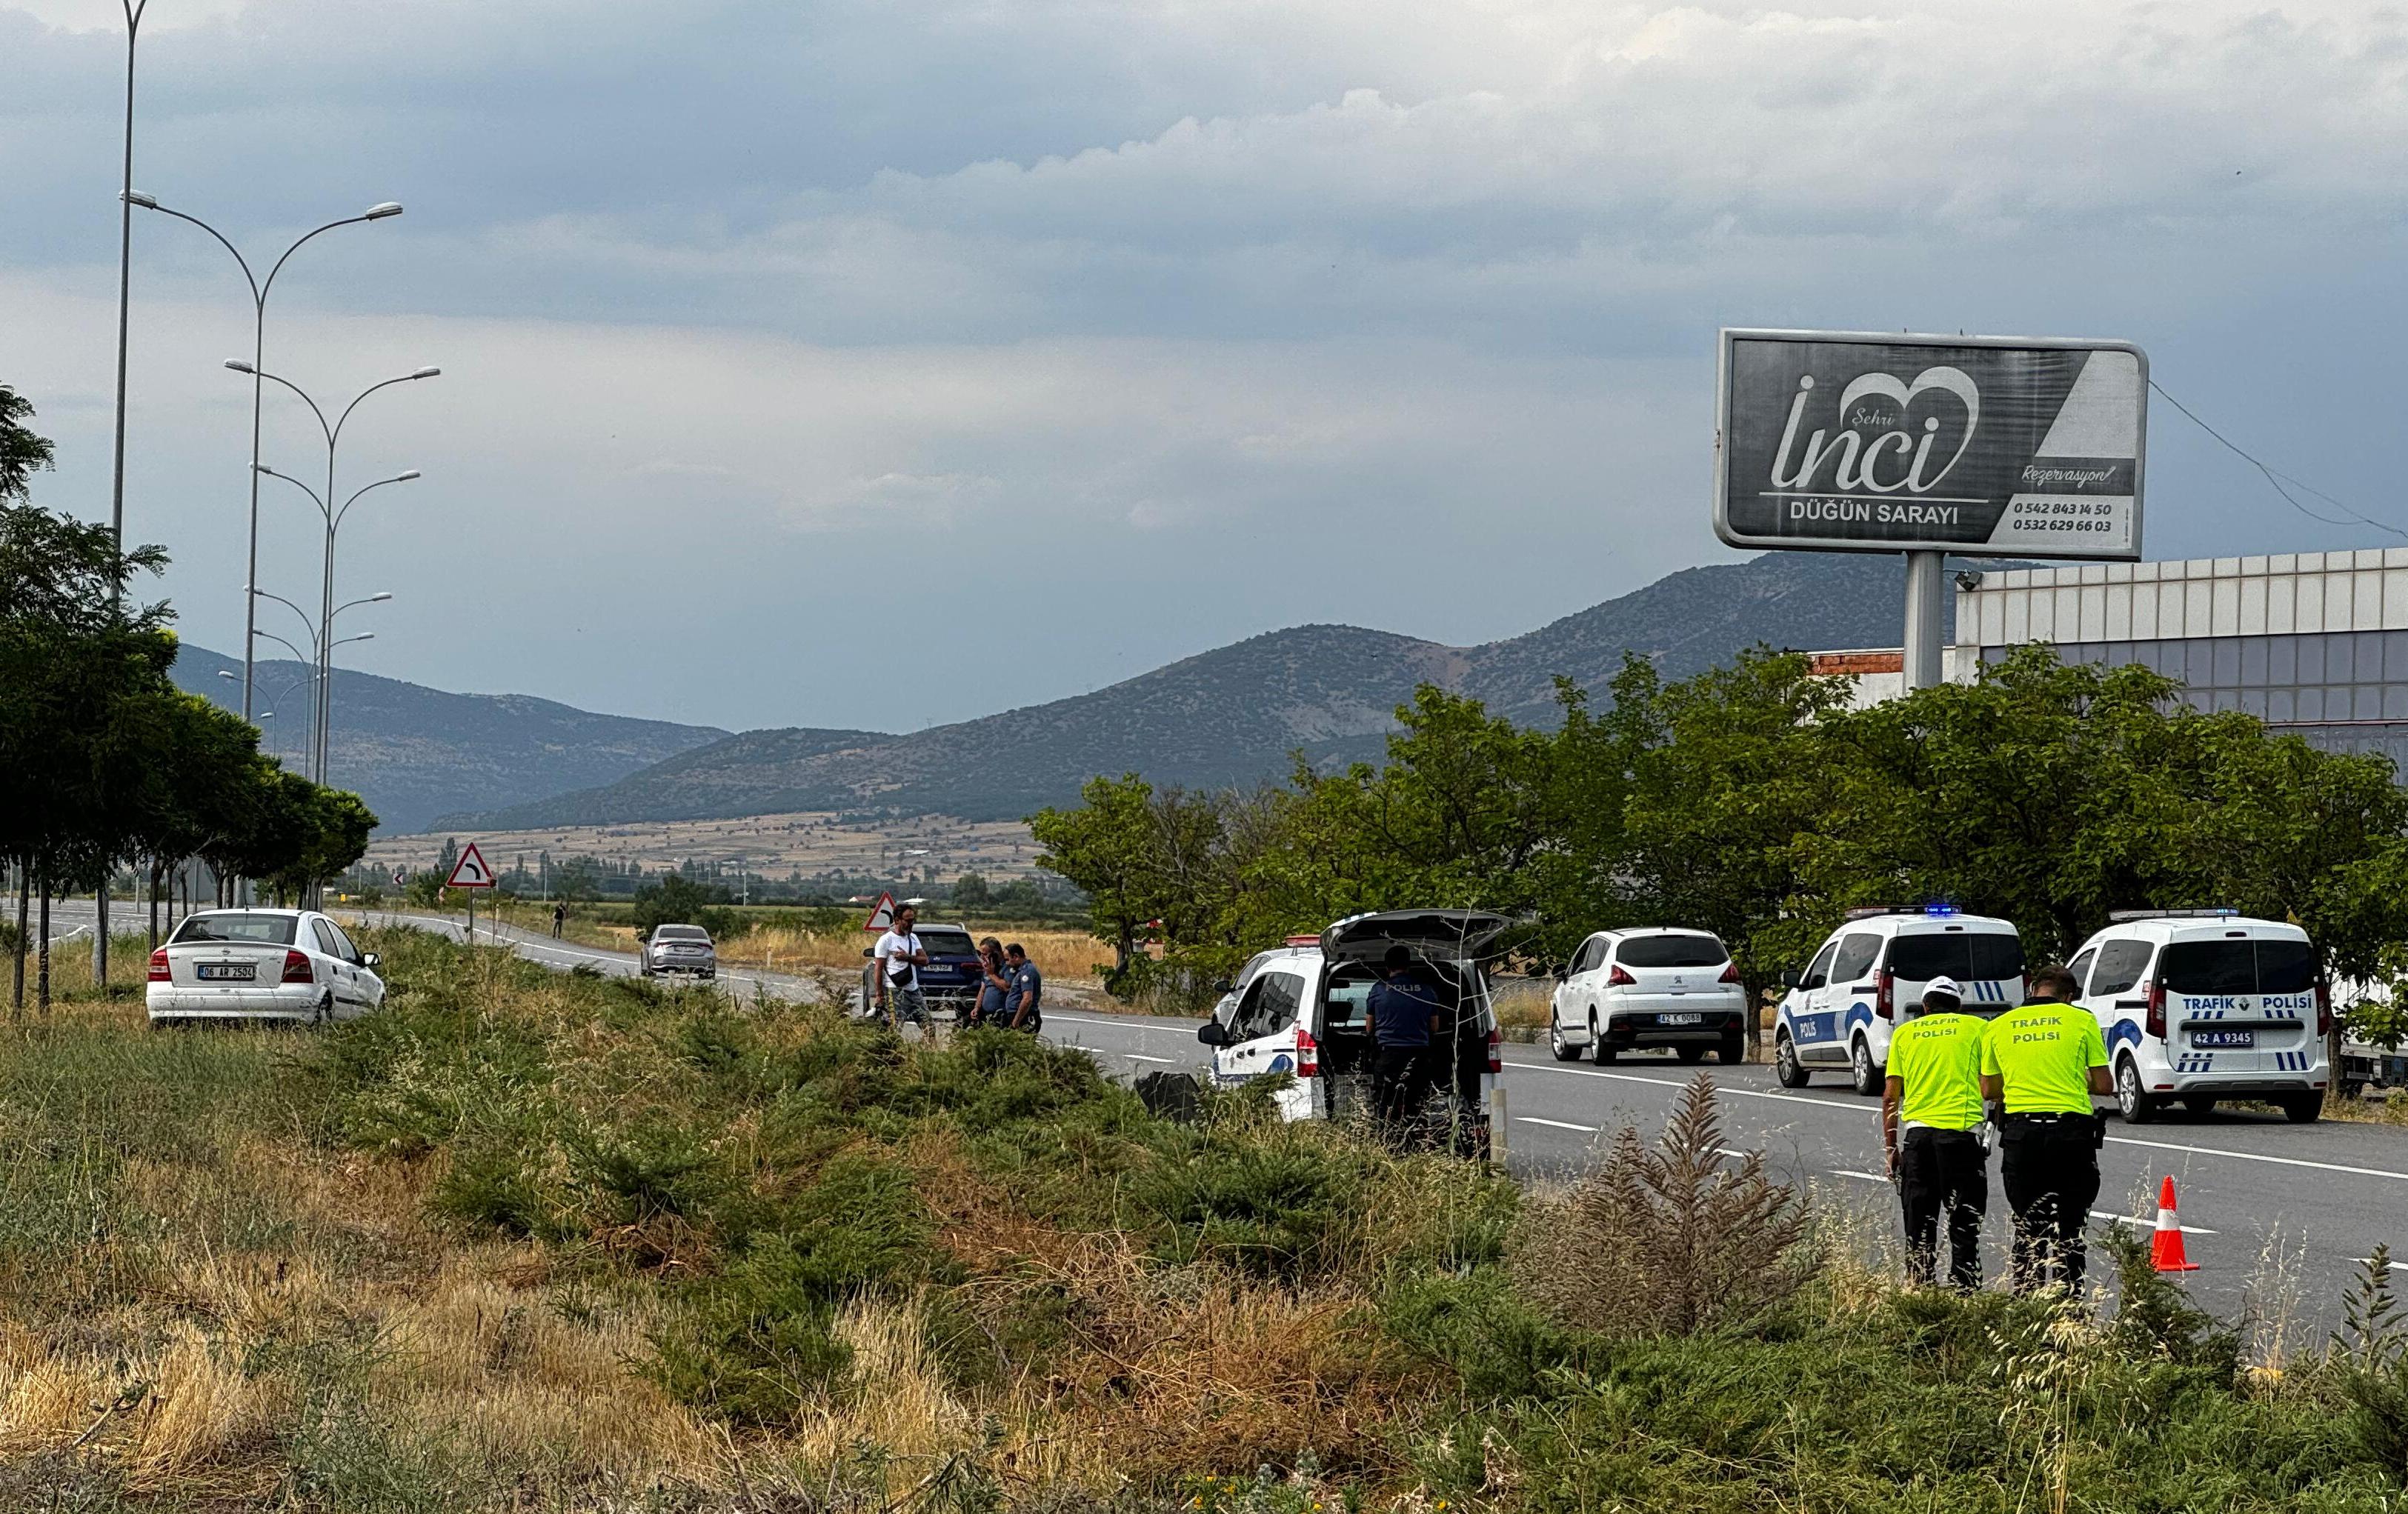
{"points": [[678, 949]]}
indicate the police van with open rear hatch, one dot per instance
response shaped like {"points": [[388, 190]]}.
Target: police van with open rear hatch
{"points": [[1837, 1014], [1305, 1011], [2201, 1005]]}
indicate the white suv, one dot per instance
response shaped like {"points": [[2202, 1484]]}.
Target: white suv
{"points": [[1840, 1012], [2203, 1004], [1626, 990]]}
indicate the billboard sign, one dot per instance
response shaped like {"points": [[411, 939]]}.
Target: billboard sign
{"points": [[1848, 441]]}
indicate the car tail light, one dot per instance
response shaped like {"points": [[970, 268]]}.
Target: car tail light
{"points": [[1495, 1052], [1730, 973], [1619, 979], [1885, 995], [159, 966], [1308, 1053], [2157, 1008], [2324, 1008], [296, 967]]}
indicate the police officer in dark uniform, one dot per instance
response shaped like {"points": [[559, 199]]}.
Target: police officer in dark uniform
{"points": [[1404, 1018], [2046, 1062]]}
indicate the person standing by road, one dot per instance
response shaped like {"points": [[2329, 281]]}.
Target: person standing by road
{"points": [[2045, 1063], [1931, 1104], [1027, 990], [1404, 1019], [899, 957], [559, 917], [994, 984]]}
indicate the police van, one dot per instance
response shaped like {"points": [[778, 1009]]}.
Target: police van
{"points": [[1837, 1014], [2202, 1004], [1305, 1012]]}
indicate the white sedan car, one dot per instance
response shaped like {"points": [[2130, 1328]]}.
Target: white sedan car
{"points": [[282, 965]]}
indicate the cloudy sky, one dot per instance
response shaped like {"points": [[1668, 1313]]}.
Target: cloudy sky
{"points": [[883, 364]]}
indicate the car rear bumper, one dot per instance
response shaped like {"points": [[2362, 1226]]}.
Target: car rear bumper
{"points": [[1635, 1028], [249, 1001]]}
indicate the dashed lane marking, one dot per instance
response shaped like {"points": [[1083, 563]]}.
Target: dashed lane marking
{"points": [[1140, 1056], [1554, 1124], [2138, 1224]]}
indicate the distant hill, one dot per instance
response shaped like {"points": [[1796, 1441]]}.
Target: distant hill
{"points": [[1234, 715], [414, 752]]}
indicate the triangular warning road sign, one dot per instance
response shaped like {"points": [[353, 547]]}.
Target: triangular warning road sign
{"points": [[470, 872], [881, 917]]}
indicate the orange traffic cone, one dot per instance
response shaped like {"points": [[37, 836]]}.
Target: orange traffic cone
{"points": [[2166, 1246]]}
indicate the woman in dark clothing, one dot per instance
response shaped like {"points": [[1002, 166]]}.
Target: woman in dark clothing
{"points": [[995, 988]]}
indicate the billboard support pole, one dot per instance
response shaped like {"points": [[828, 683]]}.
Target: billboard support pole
{"points": [[1922, 645]]}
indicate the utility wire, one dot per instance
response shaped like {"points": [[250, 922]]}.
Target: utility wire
{"points": [[2278, 478]]}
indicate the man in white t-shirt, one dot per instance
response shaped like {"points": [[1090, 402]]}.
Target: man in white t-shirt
{"points": [[899, 958]]}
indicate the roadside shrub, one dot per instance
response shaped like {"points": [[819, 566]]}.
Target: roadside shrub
{"points": [[1665, 1242], [1278, 1201], [2373, 1357]]}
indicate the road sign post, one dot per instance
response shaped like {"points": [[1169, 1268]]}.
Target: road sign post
{"points": [[470, 873]]}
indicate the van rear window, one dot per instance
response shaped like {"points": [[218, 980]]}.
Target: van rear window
{"points": [[1983, 958], [1673, 952], [2237, 967]]}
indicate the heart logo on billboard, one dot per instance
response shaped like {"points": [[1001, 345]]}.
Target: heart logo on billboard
{"points": [[1878, 414]]}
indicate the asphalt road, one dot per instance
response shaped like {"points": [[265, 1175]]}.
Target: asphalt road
{"points": [[2255, 1189]]}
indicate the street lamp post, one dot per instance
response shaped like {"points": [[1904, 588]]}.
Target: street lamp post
{"points": [[259, 290], [310, 660]]}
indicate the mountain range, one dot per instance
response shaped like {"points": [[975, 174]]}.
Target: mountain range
{"points": [[415, 753], [1236, 715]]}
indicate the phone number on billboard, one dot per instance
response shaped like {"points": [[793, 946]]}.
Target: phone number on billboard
{"points": [[2085, 516]]}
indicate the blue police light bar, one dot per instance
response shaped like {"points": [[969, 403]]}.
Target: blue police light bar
{"points": [[2214, 913], [1939, 910]]}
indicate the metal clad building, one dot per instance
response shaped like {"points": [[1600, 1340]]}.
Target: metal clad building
{"points": [[2313, 643]]}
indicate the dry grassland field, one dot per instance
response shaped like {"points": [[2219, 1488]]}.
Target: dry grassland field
{"points": [[769, 845]]}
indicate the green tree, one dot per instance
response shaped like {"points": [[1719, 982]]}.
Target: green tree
{"points": [[1727, 771], [969, 891], [1105, 849], [677, 900]]}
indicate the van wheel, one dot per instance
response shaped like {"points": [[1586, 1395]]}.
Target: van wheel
{"points": [[1563, 1050], [2132, 1101], [1733, 1051], [2303, 1108], [1787, 1069], [1862, 1074]]}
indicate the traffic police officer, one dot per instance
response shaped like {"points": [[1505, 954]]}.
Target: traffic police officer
{"points": [[1933, 1095], [2046, 1062], [1404, 1021]]}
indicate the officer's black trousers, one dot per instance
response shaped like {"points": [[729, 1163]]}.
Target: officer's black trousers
{"points": [[2051, 1175], [1944, 1174]]}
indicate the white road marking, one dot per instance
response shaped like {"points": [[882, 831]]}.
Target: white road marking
{"points": [[1140, 1056], [1866, 1177], [1554, 1124], [2254, 1156], [1868, 1109], [2138, 1224], [1123, 1021]]}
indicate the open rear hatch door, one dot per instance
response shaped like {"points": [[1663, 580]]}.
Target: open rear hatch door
{"points": [[1430, 933]]}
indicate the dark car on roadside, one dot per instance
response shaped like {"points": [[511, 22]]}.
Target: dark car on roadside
{"points": [[950, 981]]}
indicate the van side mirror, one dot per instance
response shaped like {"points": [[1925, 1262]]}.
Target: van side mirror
{"points": [[371, 960], [869, 952], [1224, 986], [1212, 1033], [1791, 978]]}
